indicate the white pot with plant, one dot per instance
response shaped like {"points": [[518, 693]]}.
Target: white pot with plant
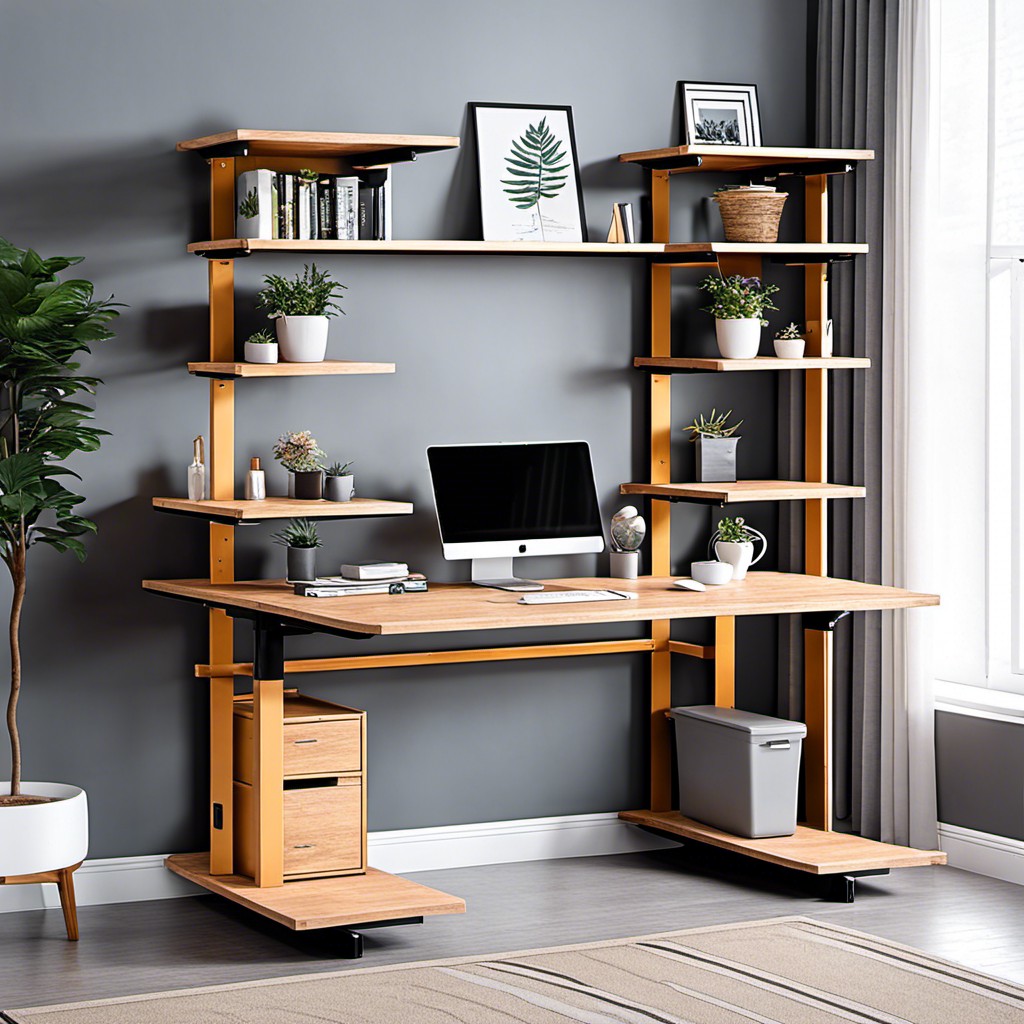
{"points": [[339, 483], [302, 308], [301, 539], [733, 542], [716, 446], [738, 305], [261, 347], [302, 456], [790, 343], [46, 324]]}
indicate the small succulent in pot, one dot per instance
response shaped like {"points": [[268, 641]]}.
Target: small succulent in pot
{"points": [[339, 483], [716, 446], [789, 342], [301, 538], [261, 347], [302, 307], [302, 456], [791, 332]]}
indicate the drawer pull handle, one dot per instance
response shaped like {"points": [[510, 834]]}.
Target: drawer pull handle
{"points": [[297, 742], [305, 846]]}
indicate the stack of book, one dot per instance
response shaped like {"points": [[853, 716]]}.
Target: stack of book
{"points": [[273, 204], [372, 578]]}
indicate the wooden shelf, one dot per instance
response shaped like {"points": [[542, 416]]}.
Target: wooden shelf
{"points": [[690, 364], [380, 149], [810, 850], [745, 490], [727, 159], [240, 511], [322, 902], [327, 368], [700, 254], [230, 248]]}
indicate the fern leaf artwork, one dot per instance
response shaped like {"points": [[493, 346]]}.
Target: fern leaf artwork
{"points": [[536, 163], [250, 205]]}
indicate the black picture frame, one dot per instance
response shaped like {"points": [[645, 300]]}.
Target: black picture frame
{"points": [[732, 96], [497, 222]]}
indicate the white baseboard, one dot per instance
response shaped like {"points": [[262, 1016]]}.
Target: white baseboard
{"points": [[983, 853], [129, 879]]}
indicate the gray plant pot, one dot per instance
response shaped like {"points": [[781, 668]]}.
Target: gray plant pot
{"points": [[301, 565], [309, 486], [716, 459], [339, 488]]}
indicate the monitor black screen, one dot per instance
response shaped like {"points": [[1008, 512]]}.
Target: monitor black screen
{"points": [[511, 492]]}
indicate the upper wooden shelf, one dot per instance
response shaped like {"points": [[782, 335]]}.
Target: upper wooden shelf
{"points": [[369, 147], [240, 511], [692, 364], [688, 159], [745, 490], [327, 368], [700, 254], [229, 248]]}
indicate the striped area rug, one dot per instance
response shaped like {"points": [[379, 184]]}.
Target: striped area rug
{"points": [[783, 971]]}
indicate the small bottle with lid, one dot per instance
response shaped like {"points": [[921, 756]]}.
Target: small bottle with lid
{"points": [[255, 482]]}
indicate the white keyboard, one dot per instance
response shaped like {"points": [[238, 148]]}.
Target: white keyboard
{"points": [[576, 596]]}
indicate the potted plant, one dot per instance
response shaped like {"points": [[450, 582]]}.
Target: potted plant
{"points": [[261, 347], [339, 483], [738, 305], [45, 324], [716, 446], [733, 542], [789, 343], [301, 539], [302, 307], [300, 454]]}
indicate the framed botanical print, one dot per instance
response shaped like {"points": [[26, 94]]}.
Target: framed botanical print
{"points": [[529, 173], [719, 114]]}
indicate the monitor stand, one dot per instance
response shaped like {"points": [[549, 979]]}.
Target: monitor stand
{"points": [[497, 573]]}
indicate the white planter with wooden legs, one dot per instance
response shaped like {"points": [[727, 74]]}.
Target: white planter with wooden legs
{"points": [[45, 842]]}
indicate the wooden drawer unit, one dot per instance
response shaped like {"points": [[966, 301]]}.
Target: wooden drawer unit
{"points": [[324, 788]]}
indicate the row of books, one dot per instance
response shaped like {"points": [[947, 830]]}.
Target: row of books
{"points": [[274, 204]]}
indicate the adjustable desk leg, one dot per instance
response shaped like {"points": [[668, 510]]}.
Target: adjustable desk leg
{"points": [[268, 752]]}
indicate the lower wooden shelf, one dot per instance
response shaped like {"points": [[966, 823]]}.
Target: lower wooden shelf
{"points": [[809, 849], [745, 490], [322, 902]]}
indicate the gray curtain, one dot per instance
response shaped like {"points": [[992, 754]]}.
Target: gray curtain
{"points": [[856, 46]]}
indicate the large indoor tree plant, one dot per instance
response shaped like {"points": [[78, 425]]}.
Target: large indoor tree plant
{"points": [[45, 325]]}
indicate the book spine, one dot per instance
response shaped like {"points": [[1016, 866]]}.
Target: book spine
{"points": [[367, 209], [302, 195], [385, 223], [290, 210], [279, 206], [314, 210]]}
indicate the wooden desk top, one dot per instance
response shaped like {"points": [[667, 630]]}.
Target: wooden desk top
{"points": [[450, 607]]}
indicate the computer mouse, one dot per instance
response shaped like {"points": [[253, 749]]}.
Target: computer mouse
{"points": [[688, 584]]}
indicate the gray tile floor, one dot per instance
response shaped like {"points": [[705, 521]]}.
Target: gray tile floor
{"points": [[148, 947]]}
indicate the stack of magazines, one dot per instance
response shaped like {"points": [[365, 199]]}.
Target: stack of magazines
{"points": [[371, 578]]}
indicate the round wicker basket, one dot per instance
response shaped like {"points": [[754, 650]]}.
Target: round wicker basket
{"points": [[751, 215]]}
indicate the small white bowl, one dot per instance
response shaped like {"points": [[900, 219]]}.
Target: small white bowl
{"points": [[790, 348], [711, 573]]}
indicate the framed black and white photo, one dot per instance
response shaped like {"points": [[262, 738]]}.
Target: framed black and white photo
{"points": [[529, 173], [719, 114]]}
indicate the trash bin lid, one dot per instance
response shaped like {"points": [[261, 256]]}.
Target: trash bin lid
{"points": [[744, 721]]}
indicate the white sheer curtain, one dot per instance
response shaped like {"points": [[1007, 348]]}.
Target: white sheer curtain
{"points": [[934, 368]]}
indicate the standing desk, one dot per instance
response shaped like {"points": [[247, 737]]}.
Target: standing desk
{"points": [[276, 612]]}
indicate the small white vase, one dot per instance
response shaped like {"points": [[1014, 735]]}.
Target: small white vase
{"points": [[790, 348], [44, 837], [738, 339], [740, 555], [260, 352], [303, 339]]}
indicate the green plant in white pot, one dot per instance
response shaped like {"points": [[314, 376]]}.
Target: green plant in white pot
{"points": [[45, 324], [738, 305], [716, 446], [302, 307], [733, 542], [301, 539], [339, 483], [261, 347]]}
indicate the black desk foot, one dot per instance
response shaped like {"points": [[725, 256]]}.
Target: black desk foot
{"points": [[842, 888], [350, 944]]}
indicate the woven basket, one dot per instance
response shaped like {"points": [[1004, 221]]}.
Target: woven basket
{"points": [[751, 215]]}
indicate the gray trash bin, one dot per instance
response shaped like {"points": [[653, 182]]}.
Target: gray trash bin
{"points": [[738, 771]]}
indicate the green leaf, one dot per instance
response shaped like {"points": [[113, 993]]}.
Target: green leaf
{"points": [[533, 165]]}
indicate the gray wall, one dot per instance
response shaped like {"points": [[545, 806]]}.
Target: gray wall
{"points": [[96, 92]]}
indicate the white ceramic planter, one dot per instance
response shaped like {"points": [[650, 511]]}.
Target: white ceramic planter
{"points": [[44, 837], [261, 352], [712, 574], [790, 348], [624, 565], [303, 339], [739, 555], [738, 339]]}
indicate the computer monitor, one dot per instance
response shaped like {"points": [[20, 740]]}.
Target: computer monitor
{"points": [[498, 501]]}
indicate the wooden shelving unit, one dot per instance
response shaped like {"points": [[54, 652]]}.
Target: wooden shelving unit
{"points": [[235, 247], [328, 368], [696, 364], [745, 490], [239, 511]]}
